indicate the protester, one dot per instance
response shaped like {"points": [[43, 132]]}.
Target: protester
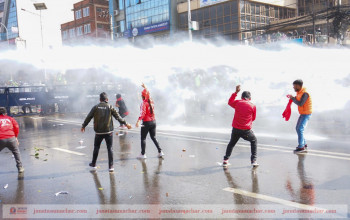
{"points": [[123, 110], [9, 131], [103, 126], [245, 114], [304, 102], [147, 117]]}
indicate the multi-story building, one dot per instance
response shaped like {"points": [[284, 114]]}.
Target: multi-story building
{"points": [[135, 19], [314, 23], [8, 22], [234, 19], [91, 22]]}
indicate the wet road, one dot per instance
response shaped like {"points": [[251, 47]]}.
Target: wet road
{"points": [[188, 176]]}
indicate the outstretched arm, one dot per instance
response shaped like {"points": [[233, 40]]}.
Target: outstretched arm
{"points": [[88, 119]]}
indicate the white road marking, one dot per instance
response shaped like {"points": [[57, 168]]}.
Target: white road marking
{"points": [[272, 199], [269, 147], [68, 151]]}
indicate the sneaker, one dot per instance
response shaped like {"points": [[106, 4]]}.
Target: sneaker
{"points": [[225, 163], [305, 146], [20, 169], [161, 154], [93, 165], [142, 156], [255, 164], [111, 169], [300, 150]]}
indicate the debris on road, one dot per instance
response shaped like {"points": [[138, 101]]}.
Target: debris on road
{"points": [[5, 187], [62, 193]]}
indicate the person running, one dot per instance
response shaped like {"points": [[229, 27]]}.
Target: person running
{"points": [[304, 102], [147, 117], [9, 131], [245, 114], [123, 110], [103, 126]]}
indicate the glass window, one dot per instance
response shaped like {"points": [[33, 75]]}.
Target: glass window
{"points": [[87, 28], [220, 20], [78, 14], [227, 27], [212, 12], [206, 13], [121, 4], [86, 12], [200, 15], [220, 11], [226, 9], [79, 31], [213, 22], [227, 19], [221, 28], [243, 25]]}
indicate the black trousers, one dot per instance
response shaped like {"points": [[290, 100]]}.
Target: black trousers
{"points": [[11, 144], [149, 127], [109, 141], [247, 135]]}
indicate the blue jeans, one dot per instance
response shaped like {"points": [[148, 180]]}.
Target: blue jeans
{"points": [[301, 125]]}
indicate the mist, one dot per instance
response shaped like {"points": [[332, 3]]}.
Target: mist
{"points": [[191, 82]]}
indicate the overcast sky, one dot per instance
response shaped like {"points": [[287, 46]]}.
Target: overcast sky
{"points": [[58, 12]]}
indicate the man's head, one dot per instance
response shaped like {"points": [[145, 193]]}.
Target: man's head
{"points": [[103, 97], [297, 85], [118, 96], [3, 111], [246, 95]]}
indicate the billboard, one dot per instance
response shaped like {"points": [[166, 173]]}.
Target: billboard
{"points": [[162, 26], [204, 3]]}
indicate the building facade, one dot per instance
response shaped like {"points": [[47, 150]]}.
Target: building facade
{"points": [[91, 23], [133, 19], [8, 22], [233, 19]]}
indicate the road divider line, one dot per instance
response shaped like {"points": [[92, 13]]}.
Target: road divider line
{"points": [[278, 148], [272, 199], [68, 151]]}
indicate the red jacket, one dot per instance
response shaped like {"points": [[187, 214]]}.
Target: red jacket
{"points": [[245, 113], [146, 111], [8, 127]]}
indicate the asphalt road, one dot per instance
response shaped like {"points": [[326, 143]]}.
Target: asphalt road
{"points": [[188, 177]]}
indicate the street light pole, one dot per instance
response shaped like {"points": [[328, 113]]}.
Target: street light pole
{"points": [[40, 7], [189, 20], [7, 33]]}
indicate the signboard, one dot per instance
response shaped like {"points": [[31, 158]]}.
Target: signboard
{"points": [[162, 26], [203, 3]]}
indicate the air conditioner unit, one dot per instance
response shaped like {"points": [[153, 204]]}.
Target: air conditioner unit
{"points": [[116, 12]]}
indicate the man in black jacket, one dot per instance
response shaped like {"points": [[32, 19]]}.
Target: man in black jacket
{"points": [[103, 126]]}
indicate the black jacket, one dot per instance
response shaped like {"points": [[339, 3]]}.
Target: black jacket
{"points": [[123, 110], [102, 114]]}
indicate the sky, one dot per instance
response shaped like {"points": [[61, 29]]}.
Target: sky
{"points": [[58, 12]]}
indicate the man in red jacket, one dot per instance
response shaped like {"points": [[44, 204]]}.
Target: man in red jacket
{"points": [[245, 114], [8, 137]]}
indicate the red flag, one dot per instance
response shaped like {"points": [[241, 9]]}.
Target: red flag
{"points": [[286, 114]]}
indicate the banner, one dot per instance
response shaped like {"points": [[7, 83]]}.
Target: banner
{"points": [[162, 26]]}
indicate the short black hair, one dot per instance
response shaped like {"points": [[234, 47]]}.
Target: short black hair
{"points": [[103, 97], [119, 96], [3, 111], [298, 82], [246, 95]]}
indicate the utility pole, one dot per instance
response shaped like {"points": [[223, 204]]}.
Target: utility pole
{"points": [[189, 20], [313, 22]]}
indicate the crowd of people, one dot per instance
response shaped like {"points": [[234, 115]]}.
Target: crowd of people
{"points": [[103, 114]]}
